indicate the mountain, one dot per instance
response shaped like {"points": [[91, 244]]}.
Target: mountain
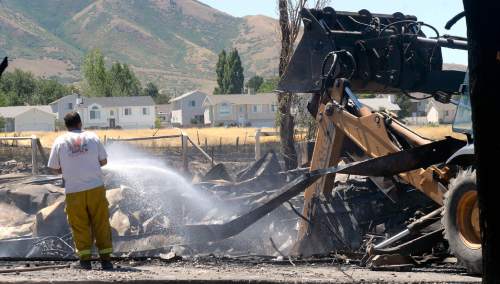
{"points": [[173, 43]]}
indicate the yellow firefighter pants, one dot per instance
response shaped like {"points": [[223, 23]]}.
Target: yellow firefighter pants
{"points": [[88, 217]]}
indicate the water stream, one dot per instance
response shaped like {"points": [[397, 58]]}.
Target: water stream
{"points": [[158, 189]]}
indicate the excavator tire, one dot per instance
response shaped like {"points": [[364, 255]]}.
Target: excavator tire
{"points": [[461, 220]]}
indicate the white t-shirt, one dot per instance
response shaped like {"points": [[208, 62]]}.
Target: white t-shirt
{"points": [[77, 154]]}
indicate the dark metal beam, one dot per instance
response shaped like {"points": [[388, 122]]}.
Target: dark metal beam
{"points": [[484, 65]]}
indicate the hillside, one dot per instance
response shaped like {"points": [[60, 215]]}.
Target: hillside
{"points": [[173, 43]]}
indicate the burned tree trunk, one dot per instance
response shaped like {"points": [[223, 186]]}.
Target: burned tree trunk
{"points": [[484, 68], [286, 120]]}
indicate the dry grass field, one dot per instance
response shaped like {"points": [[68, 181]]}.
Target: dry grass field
{"points": [[437, 132], [213, 136]]}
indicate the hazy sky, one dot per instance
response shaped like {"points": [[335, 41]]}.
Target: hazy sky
{"points": [[434, 12]]}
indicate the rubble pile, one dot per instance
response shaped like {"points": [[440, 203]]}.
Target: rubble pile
{"points": [[149, 222], [13, 166], [151, 209]]}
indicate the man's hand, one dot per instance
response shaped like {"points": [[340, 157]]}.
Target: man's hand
{"points": [[56, 171], [103, 162]]}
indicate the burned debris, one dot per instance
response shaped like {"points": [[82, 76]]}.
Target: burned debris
{"points": [[246, 214]]}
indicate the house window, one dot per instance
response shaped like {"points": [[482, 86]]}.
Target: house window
{"points": [[95, 113], [127, 111], [199, 119], [145, 111], [242, 109], [224, 109], [70, 105], [111, 113], [256, 108], [192, 103], [274, 108], [446, 113]]}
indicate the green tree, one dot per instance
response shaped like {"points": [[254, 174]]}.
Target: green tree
{"points": [[157, 123], [219, 70], [229, 69], [95, 74], [18, 87], [122, 81], [269, 85], [119, 80], [163, 99], [3, 100], [48, 90], [254, 83], [2, 123], [151, 90], [234, 73], [405, 105]]}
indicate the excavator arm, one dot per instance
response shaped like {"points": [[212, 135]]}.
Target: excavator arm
{"points": [[378, 53]]}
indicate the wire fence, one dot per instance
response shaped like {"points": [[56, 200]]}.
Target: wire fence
{"points": [[176, 146]]}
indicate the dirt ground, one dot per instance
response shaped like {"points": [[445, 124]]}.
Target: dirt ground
{"points": [[217, 271]]}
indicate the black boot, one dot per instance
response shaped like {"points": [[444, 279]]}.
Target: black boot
{"points": [[106, 265], [83, 264]]}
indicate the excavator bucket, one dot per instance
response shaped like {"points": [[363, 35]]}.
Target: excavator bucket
{"points": [[390, 53]]}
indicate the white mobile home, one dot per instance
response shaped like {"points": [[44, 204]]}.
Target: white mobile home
{"points": [[28, 118]]}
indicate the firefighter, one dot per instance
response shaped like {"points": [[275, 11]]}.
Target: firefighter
{"points": [[79, 156]]}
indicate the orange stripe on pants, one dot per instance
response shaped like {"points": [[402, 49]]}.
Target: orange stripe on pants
{"points": [[88, 217]]}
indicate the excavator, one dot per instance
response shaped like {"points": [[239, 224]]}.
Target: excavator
{"points": [[344, 53]]}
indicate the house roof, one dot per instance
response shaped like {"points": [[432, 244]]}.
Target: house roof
{"points": [[112, 101], [440, 107], [187, 95], [68, 96], [429, 102], [164, 108], [380, 103], [118, 101], [245, 99], [13, 111]]}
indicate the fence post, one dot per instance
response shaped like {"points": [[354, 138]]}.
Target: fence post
{"points": [[237, 143], [41, 151], [212, 156], [184, 141], [34, 160], [206, 144], [257, 144]]}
